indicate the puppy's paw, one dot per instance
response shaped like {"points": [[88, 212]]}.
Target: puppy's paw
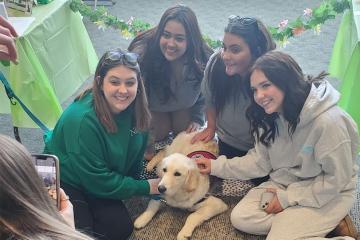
{"points": [[149, 213], [142, 220], [183, 235], [150, 166]]}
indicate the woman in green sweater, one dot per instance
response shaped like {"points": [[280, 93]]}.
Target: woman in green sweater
{"points": [[100, 140]]}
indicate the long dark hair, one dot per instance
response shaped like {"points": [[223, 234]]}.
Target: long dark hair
{"points": [[224, 87], [285, 73], [155, 67], [142, 114]]}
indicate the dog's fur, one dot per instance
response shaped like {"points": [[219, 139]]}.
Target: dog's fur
{"points": [[182, 144], [183, 185]]}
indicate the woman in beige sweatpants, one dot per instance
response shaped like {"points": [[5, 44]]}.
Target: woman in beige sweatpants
{"points": [[295, 222], [306, 144]]}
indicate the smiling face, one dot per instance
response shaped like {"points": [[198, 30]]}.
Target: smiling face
{"points": [[266, 94], [120, 86], [236, 55], [173, 41]]}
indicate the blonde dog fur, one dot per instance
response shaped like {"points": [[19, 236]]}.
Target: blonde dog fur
{"points": [[182, 144], [183, 185]]}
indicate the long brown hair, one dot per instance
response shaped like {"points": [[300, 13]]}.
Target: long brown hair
{"points": [[26, 211], [155, 67], [142, 114], [286, 74]]}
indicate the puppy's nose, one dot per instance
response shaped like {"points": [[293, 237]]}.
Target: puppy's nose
{"points": [[161, 188]]}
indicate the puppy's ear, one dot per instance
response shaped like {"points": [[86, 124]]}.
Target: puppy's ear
{"points": [[155, 160], [191, 181]]}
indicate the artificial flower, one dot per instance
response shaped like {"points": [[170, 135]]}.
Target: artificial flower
{"points": [[298, 30], [308, 12], [130, 21], [283, 24]]}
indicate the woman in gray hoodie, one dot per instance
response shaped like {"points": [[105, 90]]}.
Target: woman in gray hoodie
{"points": [[305, 143]]}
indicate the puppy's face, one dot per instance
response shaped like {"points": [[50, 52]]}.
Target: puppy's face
{"points": [[178, 173]]}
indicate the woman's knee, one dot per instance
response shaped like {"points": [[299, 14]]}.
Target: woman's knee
{"points": [[246, 218], [238, 219]]}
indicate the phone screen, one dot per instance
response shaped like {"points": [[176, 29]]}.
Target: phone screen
{"points": [[47, 167]]}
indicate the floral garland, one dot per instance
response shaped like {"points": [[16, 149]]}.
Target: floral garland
{"points": [[311, 19]]}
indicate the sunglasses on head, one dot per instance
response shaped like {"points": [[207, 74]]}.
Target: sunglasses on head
{"points": [[245, 21], [118, 55]]}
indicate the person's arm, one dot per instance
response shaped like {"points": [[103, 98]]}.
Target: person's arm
{"points": [[197, 114], [254, 164], [337, 174], [137, 168], [66, 209], [96, 177], [209, 132]]}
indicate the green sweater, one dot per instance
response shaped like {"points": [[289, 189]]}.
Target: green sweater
{"points": [[95, 161]]}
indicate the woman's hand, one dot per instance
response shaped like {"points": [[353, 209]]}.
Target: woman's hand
{"points": [[7, 41], [66, 209], [205, 135], [274, 205], [193, 126], [154, 185], [204, 165]]}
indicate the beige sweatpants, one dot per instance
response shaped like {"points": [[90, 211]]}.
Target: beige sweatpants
{"points": [[295, 222]]}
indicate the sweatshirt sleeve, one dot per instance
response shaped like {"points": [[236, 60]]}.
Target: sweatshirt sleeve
{"points": [[253, 165], [337, 175], [95, 176], [136, 170], [205, 84]]}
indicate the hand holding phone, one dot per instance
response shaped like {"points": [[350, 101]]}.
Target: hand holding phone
{"points": [[66, 209], [47, 167], [266, 198]]}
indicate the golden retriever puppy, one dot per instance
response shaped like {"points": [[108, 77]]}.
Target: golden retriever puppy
{"points": [[183, 186]]}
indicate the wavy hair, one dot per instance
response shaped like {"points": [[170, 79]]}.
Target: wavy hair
{"points": [[155, 67], [224, 87], [285, 73], [26, 210]]}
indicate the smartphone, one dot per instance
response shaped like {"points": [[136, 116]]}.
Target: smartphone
{"points": [[47, 167]]}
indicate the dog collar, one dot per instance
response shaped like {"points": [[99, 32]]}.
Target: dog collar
{"points": [[201, 154]]}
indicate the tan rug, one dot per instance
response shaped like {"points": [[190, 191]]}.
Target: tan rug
{"points": [[168, 222]]}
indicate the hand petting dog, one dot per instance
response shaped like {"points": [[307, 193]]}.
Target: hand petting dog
{"points": [[204, 165]]}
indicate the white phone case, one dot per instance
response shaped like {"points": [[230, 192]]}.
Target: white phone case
{"points": [[266, 198]]}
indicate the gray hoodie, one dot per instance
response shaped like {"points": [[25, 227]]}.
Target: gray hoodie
{"points": [[314, 165]]}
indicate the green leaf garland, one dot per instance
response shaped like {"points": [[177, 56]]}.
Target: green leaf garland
{"points": [[311, 19]]}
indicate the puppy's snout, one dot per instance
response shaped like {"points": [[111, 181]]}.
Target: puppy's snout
{"points": [[161, 188]]}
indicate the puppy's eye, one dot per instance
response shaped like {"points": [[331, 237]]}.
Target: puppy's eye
{"points": [[177, 174], [164, 170]]}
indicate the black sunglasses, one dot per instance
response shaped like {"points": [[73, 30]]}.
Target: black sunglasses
{"points": [[245, 21], [117, 55]]}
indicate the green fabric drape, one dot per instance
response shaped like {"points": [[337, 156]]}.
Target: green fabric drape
{"points": [[345, 61], [55, 57]]}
